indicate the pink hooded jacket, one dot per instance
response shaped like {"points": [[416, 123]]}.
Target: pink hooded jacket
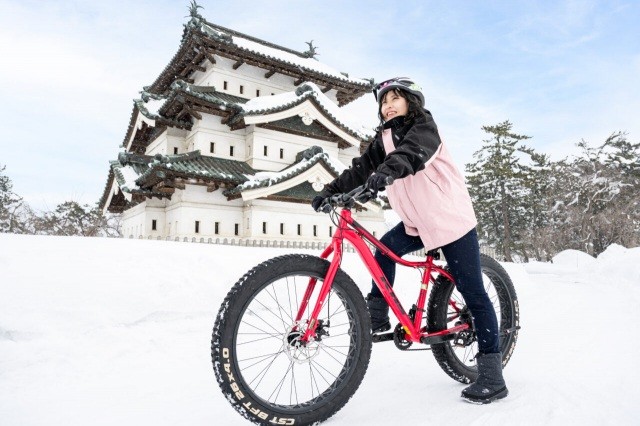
{"points": [[433, 203], [428, 193]]}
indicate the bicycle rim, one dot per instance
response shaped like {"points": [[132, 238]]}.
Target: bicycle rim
{"points": [[272, 363]]}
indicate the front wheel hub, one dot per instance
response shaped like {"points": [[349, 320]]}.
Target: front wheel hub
{"points": [[297, 350]]}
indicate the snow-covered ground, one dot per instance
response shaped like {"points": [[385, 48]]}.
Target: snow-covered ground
{"points": [[117, 332]]}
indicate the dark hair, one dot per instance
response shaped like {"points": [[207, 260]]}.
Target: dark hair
{"points": [[415, 108]]}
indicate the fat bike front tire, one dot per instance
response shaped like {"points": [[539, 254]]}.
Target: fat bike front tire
{"points": [[264, 371], [457, 357]]}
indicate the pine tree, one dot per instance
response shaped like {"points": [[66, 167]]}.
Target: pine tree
{"points": [[538, 179], [12, 208], [496, 185]]}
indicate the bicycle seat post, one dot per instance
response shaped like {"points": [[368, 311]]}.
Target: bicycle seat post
{"points": [[434, 253]]}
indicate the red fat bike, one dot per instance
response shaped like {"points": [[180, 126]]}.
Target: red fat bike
{"points": [[292, 340]]}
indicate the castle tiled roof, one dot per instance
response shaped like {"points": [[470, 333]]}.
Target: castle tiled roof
{"points": [[307, 91], [184, 100], [203, 40], [305, 161], [144, 175], [152, 176]]}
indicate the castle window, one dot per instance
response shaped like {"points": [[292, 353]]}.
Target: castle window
{"points": [[216, 228], [315, 230], [258, 92], [264, 227], [282, 229], [212, 147], [265, 150], [241, 89], [154, 225], [231, 151], [225, 86], [281, 153], [197, 227], [236, 230], [175, 150], [299, 229]]}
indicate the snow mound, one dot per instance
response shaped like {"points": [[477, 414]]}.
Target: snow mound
{"points": [[575, 259], [619, 264]]}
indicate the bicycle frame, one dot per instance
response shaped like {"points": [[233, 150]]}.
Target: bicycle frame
{"points": [[355, 234]]}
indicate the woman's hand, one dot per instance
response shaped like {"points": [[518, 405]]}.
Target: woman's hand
{"points": [[317, 202], [377, 181]]}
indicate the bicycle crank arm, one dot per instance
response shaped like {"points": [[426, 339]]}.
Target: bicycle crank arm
{"points": [[382, 337], [437, 339]]}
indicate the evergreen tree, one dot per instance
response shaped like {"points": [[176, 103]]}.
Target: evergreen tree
{"points": [[497, 188], [538, 179], [13, 210]]}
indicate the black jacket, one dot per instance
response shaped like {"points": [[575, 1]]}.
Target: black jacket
{"points": [[415, 144]]}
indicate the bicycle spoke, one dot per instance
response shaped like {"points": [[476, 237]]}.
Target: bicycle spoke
{"points": [[335, 350], [280, 309], [263, 372], [278, 333], [281, 383], [258, 340], [264, 358], [317, 366], [271, 312]]}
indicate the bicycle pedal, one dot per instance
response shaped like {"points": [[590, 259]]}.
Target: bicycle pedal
{"points": [[381, 337]]}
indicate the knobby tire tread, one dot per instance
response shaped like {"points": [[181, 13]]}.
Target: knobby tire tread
{"points": [[239, 297], [437, 314]]}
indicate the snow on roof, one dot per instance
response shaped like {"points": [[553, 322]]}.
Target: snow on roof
{"points": [[130, 176], [262, 179], [272, 51], [260, 105]]}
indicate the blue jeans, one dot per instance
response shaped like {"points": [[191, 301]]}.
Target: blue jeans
{"points": [[463, 258]]}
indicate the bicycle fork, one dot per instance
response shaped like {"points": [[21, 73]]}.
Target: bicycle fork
{"points": [[310, 332]]}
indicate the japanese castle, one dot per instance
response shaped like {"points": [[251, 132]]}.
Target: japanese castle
{"points": [[233, 140]]}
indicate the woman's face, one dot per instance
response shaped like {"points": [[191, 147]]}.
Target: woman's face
{"points": [[393, 105]]}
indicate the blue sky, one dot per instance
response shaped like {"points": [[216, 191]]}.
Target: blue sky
{"points": [[560, 71]]}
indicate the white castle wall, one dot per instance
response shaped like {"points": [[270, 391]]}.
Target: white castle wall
{"points": [[177, 218], [251, 79]]}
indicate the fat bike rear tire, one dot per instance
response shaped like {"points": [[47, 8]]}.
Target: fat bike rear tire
{"points": [[457, 357], [264, 371]]}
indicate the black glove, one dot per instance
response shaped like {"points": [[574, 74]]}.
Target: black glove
{"points": [[377, 182], [317, 202]]}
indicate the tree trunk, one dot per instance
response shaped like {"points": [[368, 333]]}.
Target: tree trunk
{"points": [[506, 248]]}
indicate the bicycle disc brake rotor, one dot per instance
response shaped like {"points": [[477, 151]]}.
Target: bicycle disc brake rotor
{"points": [[297, 350], [466, 337]]}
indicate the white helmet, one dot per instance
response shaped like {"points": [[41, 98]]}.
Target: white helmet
{"points": [[404, 83]]}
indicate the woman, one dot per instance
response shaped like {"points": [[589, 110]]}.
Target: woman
{"points": [[429, 194]]}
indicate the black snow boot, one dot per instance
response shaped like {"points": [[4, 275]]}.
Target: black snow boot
{"points": [[379, 312], [490, 385]]}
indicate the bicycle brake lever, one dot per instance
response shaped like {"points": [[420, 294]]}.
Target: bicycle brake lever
{"points": [[364, 196]]}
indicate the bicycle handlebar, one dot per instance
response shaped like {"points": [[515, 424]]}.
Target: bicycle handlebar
{"points": [[361, 194]]}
